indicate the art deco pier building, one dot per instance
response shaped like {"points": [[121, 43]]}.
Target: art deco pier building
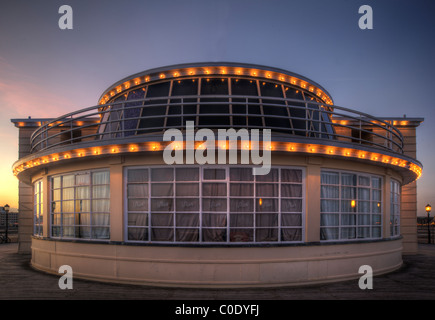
{"points": [[96, 194]]}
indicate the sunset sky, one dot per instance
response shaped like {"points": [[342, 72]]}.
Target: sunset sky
{"points": [[387, 72]]}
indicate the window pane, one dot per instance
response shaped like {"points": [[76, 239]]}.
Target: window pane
{"points": [[101, 177], [329, 206], [363, 194], [162, 174], [348, 193], [137, 175], [162, 219], [364, 181], [68, 194], [291, 175], [330, 220], [162, 204], [83, 206], [214, 235], [241, 235], [187, 174], [187, 220], [272, 176], [82, 193], [215, 220], [241, 174], [348, 233], [68, 206], [348, 179], [291, 190], [162, 234], [187, 235], [330, 178], [187, 189], [241, 189], [68, 181], [266, 235], [184, 88], [376, 195], [364, 206], [137, 219], [329, 192], [137, 204], [266, 205], [291, 220], [56, 182], [241, 220], [100, 233], [138, 234], [241, 205], [376, 183], [162, 189], [291, 234], [100, 205], [185, 204], [266, 220], [214, 189], [83, 179], [56, 195], [214, 174], [214, 205], [329, 233], [133, 191], [348, 219], [267, 190]]}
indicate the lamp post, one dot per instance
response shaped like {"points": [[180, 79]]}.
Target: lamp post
{"points": [[428, 209], [6, 238]]}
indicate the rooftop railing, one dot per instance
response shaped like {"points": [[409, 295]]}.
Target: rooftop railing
{"points": [[152, 116]]}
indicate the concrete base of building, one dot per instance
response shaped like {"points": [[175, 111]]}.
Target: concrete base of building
{"points": [[216, 267]]}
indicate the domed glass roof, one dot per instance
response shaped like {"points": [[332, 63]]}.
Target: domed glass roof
{"points": [[216, 96]]}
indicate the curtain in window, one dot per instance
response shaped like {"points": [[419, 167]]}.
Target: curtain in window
{"points": [[350, 206], [219, 205]]}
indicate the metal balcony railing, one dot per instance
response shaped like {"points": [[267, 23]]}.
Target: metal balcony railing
{"points": [[286, 117]]}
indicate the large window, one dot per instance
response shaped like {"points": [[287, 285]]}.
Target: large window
{"points": [[38, 213], [253, 103], [214, 204], [394, 208], [351, 206], [80, 204]]}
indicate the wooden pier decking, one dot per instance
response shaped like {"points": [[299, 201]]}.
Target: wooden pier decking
{"points": [[414, 281]]}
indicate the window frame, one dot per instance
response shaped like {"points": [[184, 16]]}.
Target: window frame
{"points": [[357, 213], [38, 208], [395, 227], [91, 198], [201, 210]]}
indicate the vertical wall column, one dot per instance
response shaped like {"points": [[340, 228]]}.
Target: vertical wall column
{"points": [[386, 215], [25, 194], [116, 200], [408, 203], [46, 206], [312, 200]]}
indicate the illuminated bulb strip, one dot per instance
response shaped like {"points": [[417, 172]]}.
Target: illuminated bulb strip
{"points": [[223, 70], [275, 146]]}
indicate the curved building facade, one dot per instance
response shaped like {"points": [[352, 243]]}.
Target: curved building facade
{"points": [[108, 202]]}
